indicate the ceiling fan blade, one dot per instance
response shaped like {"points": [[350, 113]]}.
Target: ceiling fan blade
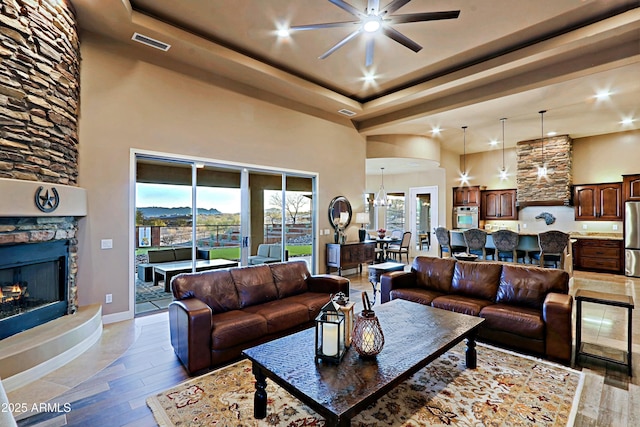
{"points": [[346, 6], [340, 44], [401, 38], [326, 25], [393, 6], [369, 53], [420, 17], [373, 6]]}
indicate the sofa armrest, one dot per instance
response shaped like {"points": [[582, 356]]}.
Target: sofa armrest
{"points": [[328, 284], [190, 327], [395, 280], [556, 313]]}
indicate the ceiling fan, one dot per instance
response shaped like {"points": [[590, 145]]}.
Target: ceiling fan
{"points": [[373, 20]]}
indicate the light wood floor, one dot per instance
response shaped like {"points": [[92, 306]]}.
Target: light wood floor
{"points": [[116, 395]]}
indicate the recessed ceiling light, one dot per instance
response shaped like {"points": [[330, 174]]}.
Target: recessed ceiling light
{"points": [[603, 94], [369, 78], [283, 32], [627, 121], [493, 142], [552, 133], [435, 130]]}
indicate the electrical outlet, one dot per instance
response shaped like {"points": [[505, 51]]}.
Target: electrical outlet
{"points": [[524, 225], [108, 298], [106, 244], [584, 226]]}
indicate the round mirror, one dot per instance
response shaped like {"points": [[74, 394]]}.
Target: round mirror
{"points": [[340, 212]]}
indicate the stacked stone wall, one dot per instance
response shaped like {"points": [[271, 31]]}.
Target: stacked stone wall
{"points": [[39, 91], [558, 155]]}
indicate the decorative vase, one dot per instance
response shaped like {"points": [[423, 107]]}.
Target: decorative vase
{"points": [[362, 234], [381, 235], [336, 236]]}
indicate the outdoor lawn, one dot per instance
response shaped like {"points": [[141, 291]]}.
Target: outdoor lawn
{"points": [[234, 252]]}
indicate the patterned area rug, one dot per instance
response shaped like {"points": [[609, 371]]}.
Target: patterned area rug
{"points": [[505, 390]]}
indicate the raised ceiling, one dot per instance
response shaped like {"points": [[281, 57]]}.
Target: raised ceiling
{"points": [[498, 59]]}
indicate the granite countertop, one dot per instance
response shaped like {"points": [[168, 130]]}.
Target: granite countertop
{"points": [[595, 235]]}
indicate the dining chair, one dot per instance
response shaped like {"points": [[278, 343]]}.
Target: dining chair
{"points": [[402, 248], [506, 243], [444, 242], [552, 246], [476, 240]]}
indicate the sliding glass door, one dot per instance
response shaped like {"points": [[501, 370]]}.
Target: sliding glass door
{"points": [[247, 215]]}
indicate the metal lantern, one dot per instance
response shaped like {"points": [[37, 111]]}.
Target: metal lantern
{"points": [[368, 339], [330, 332], [346, 307]]}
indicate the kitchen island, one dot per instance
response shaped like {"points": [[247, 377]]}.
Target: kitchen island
{"points": [[594, 251]]}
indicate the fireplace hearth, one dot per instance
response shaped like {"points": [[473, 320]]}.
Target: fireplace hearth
{"points": [[33, 284]]}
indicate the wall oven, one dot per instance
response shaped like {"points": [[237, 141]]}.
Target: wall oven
{"points": [[465, 217]]}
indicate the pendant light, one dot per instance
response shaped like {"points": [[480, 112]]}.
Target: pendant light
{"points": [[542, 169], [464, 177], [503, 171], [381, 197]]}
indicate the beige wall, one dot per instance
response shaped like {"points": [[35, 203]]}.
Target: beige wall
{"points": [[605, 158], [130, 104]]}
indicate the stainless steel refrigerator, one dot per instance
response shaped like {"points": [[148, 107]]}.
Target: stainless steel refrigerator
{"points": [[632, 239]]}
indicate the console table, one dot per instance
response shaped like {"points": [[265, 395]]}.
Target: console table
{"points": [[350, 255]]}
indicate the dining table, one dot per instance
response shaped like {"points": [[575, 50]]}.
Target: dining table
{"points": [[382, 243]]}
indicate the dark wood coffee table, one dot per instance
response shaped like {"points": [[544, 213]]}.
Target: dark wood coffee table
{"points": [[166, 270], [414, 334]]}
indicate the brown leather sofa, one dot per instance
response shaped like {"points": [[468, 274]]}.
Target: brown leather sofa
{"points": [[218, 313], [526, 308]]}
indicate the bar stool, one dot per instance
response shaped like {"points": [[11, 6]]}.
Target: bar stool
{"points": [[444, 242], [506, 243], [476, 240], [552, 246]]}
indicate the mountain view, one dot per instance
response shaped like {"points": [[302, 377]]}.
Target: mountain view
{"points": [[160, 212]]}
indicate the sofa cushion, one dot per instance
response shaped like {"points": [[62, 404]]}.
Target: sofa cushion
{"points": [[214, 287], [421, 296], [460, 304], [182, 254], [236, 327], [528, 286], [476, 279], [523, 321], [263, 250], [280, 314], [275, 251], [434, 273], [254, 284], [161, 255], [290, 278], [314, 301]]}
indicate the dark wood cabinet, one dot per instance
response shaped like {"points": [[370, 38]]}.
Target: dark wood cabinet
{"points": [[498, 204], [598, 202], [598, 255], [466, 196], [631, 187], [350, 255]]}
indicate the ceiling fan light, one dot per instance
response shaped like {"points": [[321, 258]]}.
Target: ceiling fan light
{"points": [[371, 25]]}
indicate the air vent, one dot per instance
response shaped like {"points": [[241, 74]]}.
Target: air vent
{"points": [[150, 42], [346, 112]]}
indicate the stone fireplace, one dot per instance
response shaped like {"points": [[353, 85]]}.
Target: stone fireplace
{"points": [[38, 266], [39, 98]]}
